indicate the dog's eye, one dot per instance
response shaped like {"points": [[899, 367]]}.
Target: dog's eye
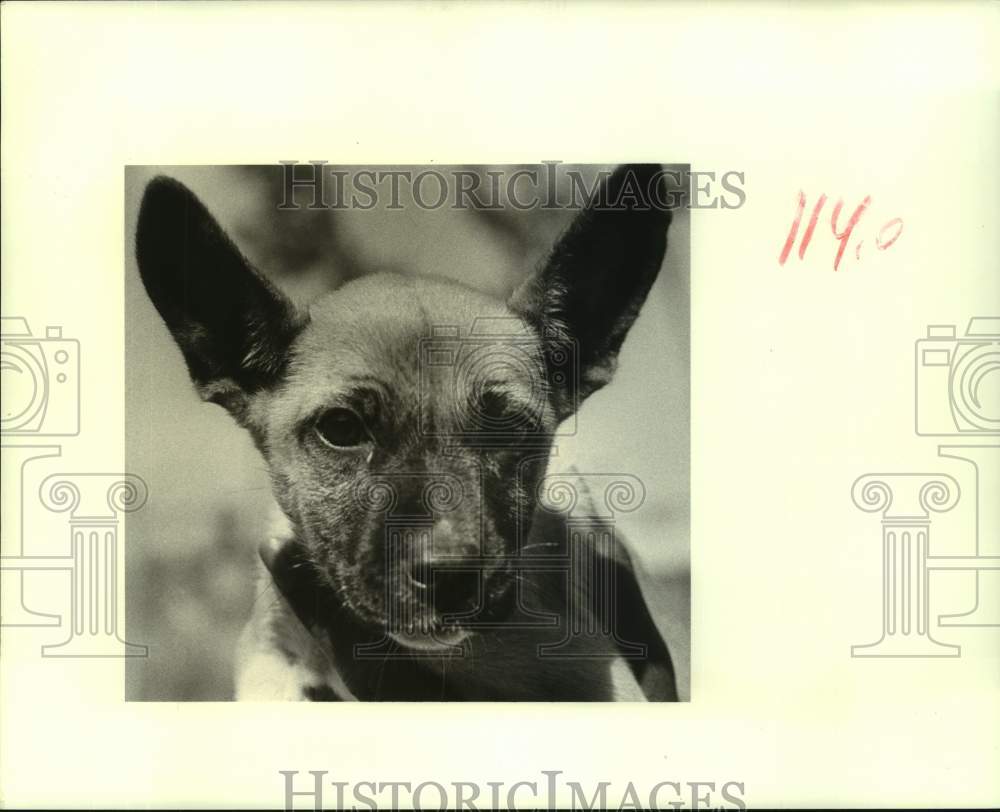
{"points": [[341, 428], [496, 413], [489, 411]]}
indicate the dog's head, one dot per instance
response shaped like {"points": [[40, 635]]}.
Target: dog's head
{"points": [[406, 422]]}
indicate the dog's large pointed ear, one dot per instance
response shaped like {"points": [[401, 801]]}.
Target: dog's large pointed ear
{"points": [[232, 325], [588, 293]]}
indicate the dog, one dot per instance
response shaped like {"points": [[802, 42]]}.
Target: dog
{"points": [[416, 557]]}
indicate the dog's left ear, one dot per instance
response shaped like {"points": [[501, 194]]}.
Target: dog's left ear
{"points": [[232, 325], [589, 292]]}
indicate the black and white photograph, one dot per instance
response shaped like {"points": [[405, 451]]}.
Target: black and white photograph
{"points": [[415, 433]]}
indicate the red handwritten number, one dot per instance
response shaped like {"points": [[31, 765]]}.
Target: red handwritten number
{"points": [[886, 236], [846, 234], [899, 230], [807, 237], [794, 230]]}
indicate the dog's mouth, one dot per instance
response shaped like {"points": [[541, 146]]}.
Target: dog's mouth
{"points": [[441, 617], [436, 617], [442, 639]]}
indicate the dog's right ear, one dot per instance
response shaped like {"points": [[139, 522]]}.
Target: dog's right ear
{"points": [[597, 277], [232, 325]]}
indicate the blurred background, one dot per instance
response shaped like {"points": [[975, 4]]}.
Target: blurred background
{"points": [[191, 551]]}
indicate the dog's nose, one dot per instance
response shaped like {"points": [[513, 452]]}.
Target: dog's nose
{"points": [[455, 591], [452, 582]]}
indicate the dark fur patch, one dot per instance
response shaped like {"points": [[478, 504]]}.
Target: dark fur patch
{"points": [[319, 693]]}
